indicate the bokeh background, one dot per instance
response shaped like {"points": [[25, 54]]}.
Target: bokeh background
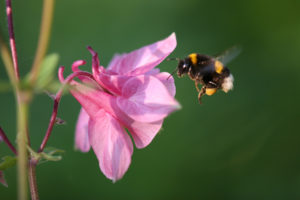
{"points": [[240, 145]]}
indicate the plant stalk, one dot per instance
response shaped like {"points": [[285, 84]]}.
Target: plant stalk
{"points": [[44, 36], [32, 179], [22, 115]]}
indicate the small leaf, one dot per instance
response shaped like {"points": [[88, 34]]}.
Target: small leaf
{"points": [[2, 179], [48, 70], [8, 161]]}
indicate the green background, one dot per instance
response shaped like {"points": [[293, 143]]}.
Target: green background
{"points": [[240, 145]]}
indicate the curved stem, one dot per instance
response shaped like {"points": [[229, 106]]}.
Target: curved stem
{"points": [[56, 102], [12, 38], [6, 140], [44, 36], [8, 63]]}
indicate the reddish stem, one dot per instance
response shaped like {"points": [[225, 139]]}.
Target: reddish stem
{"points": [[56, 102], [6, 140], [32, 179], [12, 37]]}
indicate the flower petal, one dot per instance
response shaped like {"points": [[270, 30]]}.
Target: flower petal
{"points": [[92, 99], [143, 133], [146, 99], [112, 82], [144, 59], [168, 81], [81, 135], [111, 144]]}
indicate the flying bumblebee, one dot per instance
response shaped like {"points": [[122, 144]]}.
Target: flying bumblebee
{"points": [[208, 71]]}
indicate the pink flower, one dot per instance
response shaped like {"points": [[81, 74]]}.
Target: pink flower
{"points": [[130, 94]]}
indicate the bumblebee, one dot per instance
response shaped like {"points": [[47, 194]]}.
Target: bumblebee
{"points": [[208, 71]]}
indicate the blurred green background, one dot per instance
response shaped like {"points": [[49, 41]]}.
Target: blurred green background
{"points": [[240, 145]]}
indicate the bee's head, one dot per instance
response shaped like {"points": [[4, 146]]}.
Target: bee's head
{"points": [[182, 68]]}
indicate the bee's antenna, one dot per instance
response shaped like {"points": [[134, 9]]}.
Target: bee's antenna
{"points": [[169, 59], [173, 73]]}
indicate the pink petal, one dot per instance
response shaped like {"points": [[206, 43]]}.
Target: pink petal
{"points": [[116, 62], [92, 99], [168, 81], [111, 144], [146, 99], [112, 82], [81, 135], [143, 133], [144, 59], [165, 78], [153, 71]]}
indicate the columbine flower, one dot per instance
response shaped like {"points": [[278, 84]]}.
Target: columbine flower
{"points": [[130, 94]]}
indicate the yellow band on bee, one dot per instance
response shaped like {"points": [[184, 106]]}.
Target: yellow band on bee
{"points": [[210, 91], [193, 58], [218, 67]]}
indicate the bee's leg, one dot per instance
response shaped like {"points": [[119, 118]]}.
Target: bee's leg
{"points": [[196, 85], [201, 93]]}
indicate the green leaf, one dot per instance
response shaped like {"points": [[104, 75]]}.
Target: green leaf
{"points": [[48, 70], [8, 161]]}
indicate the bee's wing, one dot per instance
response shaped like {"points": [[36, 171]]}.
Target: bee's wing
{"points": [[229, 54]]}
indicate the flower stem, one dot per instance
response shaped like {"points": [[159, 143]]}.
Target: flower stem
{"points": [[56, 102], [6, 140], [45, 30], [22, 148], [22, 111], [32, 179], [8, 64], [12, 38]]}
